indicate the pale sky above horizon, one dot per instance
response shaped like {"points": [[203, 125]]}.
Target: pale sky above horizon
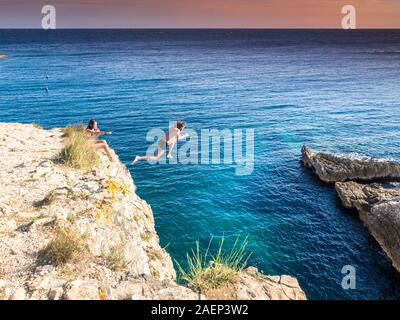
{"points": [[200, 14]]}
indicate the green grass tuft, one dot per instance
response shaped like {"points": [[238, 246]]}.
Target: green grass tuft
{"points": [[61, 249], [115, 261], [212, 271], [70, 129], [37, 126], [78, 152]]}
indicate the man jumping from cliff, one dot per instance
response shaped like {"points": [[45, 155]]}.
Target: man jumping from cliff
{"points": [[169, 139]]}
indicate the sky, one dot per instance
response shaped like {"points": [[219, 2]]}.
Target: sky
{"points": [[200, 13]]}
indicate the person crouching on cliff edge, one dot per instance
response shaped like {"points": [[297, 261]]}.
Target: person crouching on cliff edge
{"points": [[93, 132], [169, 139]]}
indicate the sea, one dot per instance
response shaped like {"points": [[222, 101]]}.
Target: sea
{"points": [[333, 90]]}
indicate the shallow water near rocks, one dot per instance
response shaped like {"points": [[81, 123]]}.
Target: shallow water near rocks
{"points": [[333, 90]]}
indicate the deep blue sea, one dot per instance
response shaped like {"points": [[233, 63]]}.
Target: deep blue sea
{"points": [[334, 90]]}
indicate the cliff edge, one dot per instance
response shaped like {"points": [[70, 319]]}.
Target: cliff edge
{"points": [[69, 234]]}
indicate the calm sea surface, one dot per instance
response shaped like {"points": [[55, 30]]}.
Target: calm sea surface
{"points": [[333, 90]]}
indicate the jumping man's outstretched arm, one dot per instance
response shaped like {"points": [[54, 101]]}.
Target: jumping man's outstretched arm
{"points": [[182, 136]]}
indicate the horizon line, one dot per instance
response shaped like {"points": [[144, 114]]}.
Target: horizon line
{"points": [[196, 28]]}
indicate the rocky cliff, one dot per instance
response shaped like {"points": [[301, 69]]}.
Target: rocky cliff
{"points": [[69, 234], [378, 204]]}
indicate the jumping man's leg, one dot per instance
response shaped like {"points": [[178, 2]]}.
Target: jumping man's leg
{"points": [[171, 148], [160, 151]]}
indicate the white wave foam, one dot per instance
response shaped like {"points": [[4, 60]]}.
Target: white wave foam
{"points": [[363, 157]]}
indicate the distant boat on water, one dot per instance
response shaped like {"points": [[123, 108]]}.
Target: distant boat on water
{"points": [[2, 56]]}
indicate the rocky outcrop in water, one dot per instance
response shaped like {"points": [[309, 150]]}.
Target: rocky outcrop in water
{"points": [[94, 223], [379, 208], [378, 204], [334, 168]]}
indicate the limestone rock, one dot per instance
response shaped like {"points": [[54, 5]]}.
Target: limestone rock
{"points": [[252, 285], [19, 294], [379, 208], [148, 288], [82, 290], [335, 168]]}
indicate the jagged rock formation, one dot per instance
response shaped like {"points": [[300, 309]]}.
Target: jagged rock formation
{"points": [[378, 204], [379, 209], [97, 220], [334, 168]]}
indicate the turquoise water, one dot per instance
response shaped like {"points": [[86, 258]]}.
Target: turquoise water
{"points": [[333, 90]]}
